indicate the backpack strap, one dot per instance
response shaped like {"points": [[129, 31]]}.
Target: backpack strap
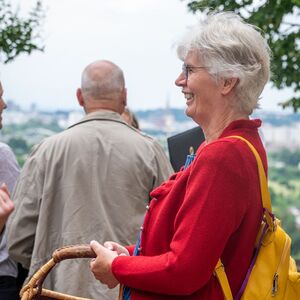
{"points": [[264, 189], [266, 203], [265, 195], [219, 272]]}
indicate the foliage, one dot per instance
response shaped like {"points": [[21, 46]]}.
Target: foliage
{"points": [[284, 207], [280, 21], [19, 35], [16, 129], [288, 157], [18, 144], [20, 148], [21, 137], [285, 193]]}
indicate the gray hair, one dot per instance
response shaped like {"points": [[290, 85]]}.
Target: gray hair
{"points": [[102, 79], [231, 48]]}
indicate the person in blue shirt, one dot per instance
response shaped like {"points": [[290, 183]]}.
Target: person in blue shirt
{"points": [[9, 171]]}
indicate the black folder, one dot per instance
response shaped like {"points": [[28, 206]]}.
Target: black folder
{"points": [[179, 146]]}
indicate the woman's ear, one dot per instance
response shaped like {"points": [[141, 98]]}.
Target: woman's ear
{"points": [[228, 85]]}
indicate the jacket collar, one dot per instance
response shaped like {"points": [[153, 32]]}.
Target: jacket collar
{"points": [[242, 124], [101, 115]]}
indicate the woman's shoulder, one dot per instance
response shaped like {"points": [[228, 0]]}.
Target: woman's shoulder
{"points": [[221, 148], [226, 153], [229, 145]]}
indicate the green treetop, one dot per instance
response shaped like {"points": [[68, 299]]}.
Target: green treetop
{"points": [[19, 35]]}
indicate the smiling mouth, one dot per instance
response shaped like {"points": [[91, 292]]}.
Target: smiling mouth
{"points": [[188, 97]]}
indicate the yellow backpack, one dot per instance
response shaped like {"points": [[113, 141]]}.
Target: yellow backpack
{"points": [[272, 273]]}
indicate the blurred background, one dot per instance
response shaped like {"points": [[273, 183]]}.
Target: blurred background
{"points": [[44, 46]]}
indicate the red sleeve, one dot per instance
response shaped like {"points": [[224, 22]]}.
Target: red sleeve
{"points": [[211, 211], [130, 249]]}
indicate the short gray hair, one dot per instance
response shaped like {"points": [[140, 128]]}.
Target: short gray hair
{"points": [[98, 83], [231, 48]]}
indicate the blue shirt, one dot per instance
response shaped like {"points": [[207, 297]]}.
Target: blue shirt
{"points": [[9, 171]]}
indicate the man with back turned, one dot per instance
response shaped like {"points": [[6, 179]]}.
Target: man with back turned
{"points": [[91, 181]]}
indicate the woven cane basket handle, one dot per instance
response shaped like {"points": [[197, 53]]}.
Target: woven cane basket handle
{"points": [[73, 251], [33, 289]]}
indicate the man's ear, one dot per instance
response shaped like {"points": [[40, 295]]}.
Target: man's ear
{"points": [[125, 97], [228, 85], [80, 97]]}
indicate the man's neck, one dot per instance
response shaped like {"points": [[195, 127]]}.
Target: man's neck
{"points": [[91, 110], [96, 105]]}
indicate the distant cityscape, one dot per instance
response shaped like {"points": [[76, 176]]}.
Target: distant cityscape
{"points": [[279, 129]]}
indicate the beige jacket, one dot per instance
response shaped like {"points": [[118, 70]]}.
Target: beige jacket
{"points": [[91, 181]]}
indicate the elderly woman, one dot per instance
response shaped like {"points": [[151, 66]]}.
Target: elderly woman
{"points": [[213, 208]]}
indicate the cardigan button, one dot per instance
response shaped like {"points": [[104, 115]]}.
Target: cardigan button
{"points": [[141, 228], [147, 207], [140, 249]]}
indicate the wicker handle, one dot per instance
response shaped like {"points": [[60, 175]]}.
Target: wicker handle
{"points": [[34, 286], [73, 251]]}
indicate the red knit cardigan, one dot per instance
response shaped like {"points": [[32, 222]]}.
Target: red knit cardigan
{"points": [[210, 210]]}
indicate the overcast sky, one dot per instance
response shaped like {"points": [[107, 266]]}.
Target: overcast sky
{"points": [[135, 34]]}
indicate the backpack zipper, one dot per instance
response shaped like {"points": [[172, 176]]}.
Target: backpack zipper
{"points": [[276, 275]]}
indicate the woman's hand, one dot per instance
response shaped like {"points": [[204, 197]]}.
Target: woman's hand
{"points": [[101, 265], [6, 205], [116, 247]]}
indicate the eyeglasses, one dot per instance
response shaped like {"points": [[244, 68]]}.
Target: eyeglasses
{"points": [[187, 70]]}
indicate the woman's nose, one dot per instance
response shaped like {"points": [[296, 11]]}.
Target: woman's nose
{"points": [[181, 80]]}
